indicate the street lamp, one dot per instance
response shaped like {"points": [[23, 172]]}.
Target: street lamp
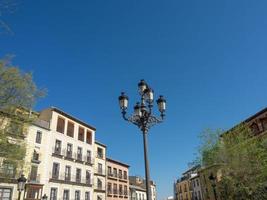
{"points": [[44, 197], [213, 184], [21, 184], [143, 118]]}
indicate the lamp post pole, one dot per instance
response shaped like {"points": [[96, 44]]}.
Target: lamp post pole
{"points": [[143, 119]]}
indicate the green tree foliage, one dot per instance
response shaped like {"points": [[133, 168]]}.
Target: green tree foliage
{"points": [[243, 161], [18, 94]]}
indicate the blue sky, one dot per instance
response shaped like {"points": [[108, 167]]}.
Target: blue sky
{"points": [[207, 57]]}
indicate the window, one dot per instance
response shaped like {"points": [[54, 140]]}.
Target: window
{"points": [[33, 175], [88, 157], [81, 134], [79, 154], [35, 156], [185, 188], [199, 195], [78, 175], [15, 128], [197, 182], [115, 172], [66, 195], [32, 192], [120, 173], [77, 195], [60, 125], [55, 170], [255, 128], [125, 190], [99, 184], [109, 188], [70, 129], [88, 177], [264, 123], [69, 150], [100, 170], [109, 171], [57, 147], [99, 152], [8, 169], [89, 137], [125, 175], [87, 196], [38, 138], [5, 193], [115, 188], [53, 194], [67, 173], [120, 190]]}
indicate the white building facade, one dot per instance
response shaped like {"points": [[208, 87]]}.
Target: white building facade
{"points": [[100, 171], [59, 158], [137, 193]]}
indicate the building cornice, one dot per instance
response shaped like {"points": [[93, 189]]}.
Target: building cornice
{"points": [[72, 118], [117, 162]]}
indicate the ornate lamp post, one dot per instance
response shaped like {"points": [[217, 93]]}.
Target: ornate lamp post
{"points": [[21, 184], [213, 184], [44, 197], [144, 119]]}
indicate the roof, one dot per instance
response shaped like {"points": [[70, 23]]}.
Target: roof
{"points": [[246, 120], [72, 118], [100, 144], [256, 115], [192, 169], [137, 188], [117, 162]]}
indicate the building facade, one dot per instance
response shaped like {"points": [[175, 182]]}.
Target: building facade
{"points": [[183, 189], [117, 180], [196, 187], [153, 189], [139, 182], [58, 159], [100, 171], [137, 193]]}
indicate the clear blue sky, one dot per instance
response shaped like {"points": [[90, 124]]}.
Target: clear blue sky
{"points": [[209, 58]]}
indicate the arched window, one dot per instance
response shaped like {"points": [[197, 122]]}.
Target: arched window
{"points": [[264, 123], [255, 128]]}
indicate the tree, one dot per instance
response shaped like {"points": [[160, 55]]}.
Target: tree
{"points": [[243, 161], [18, 94]]}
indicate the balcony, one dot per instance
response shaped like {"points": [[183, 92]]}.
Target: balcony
{"points": [[57, 152], [79, 158], [68, 155], [100, 188], [70, 179], [100, 172], [35, 158], [99, 155], [34, 178], [115, 192], [109, 192], [88, 160]]}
